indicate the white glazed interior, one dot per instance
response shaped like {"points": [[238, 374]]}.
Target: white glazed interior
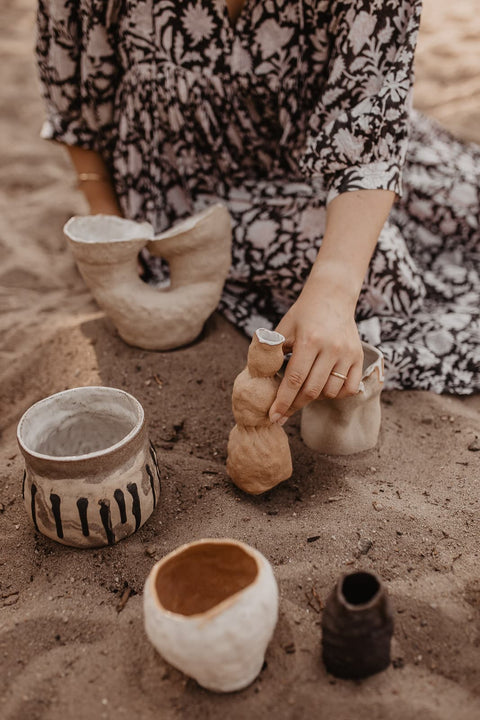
{"points": [[106, 228], [80, 423], [372, 359], [269, 337]]}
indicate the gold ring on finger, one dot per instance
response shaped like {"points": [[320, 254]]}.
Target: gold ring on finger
{"points": [[338, 375]]}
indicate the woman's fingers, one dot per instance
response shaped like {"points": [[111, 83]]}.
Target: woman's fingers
{"points": [[352, 383], [296, 373], [306, 379], [314, 384], [335, 383]]}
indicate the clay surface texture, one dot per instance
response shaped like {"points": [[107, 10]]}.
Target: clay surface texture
{"points": [[357, 627], [91, 475], [347, 425], [198, 251], [258, 451], [210, 609]]}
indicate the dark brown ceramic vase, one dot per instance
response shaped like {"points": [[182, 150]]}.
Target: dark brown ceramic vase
{"points": [[357, 627]]}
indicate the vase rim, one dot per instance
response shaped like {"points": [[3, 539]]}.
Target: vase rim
{"points": [[140, 420], [188, 223], [269, 337], [92, 229], [223, 604], [359, 606]]}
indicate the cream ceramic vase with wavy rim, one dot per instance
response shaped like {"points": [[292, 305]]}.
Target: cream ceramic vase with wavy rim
{"points": [[352, 424], [198, 251], [210, 609], [91, 475]]}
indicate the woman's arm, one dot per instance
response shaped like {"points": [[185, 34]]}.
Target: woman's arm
{"points": [[94, 180], [320, 326]]}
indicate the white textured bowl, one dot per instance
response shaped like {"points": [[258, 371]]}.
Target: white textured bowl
{"points": [[211, 607]]}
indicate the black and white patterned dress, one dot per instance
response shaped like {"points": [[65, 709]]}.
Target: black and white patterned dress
{"points": [[300, 101]]}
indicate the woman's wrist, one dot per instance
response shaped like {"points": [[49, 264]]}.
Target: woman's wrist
{"points": [[335, 279], [93, 179], [99, 194]]}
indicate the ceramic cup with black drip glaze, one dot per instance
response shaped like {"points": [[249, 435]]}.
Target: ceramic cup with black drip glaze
{"points": [[91, 475], [357, 627]]}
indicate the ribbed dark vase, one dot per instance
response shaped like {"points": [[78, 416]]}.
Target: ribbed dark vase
{"points": [[357, 627]]}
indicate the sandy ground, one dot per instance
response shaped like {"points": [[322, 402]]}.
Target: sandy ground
{"points": [[65, 649]]}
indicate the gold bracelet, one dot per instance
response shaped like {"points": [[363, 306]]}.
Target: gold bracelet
{"points": [[95, 177]]}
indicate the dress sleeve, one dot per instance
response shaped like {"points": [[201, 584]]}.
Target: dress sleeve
{"points": [[358, 132], [78, 72]]}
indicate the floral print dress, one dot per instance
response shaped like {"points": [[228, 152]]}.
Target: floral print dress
{"points": [[299, 101]]}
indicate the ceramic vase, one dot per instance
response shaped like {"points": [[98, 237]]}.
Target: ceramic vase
{"points": [[258, 450], [91, 475], [357, 627], [210, 610], [198, 251], [347, 425]]}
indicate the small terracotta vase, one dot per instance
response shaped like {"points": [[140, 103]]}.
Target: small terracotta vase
{"points": [[91, 475], [348, 425], [258, 451], [357, 627], [198, 252], [210, 609]]}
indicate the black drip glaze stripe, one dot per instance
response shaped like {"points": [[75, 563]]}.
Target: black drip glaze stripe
{"points": [[120, 498], [137, 513], [152, 483], [23, 483], [107, 520], [153, 454], [55, 500], [34, 514], [82, 505]]}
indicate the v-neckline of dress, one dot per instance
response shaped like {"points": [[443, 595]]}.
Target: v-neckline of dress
{"points": [[234, 27]]}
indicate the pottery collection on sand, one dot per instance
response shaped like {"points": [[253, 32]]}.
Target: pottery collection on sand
{"points": [[357, 627], [91, 474], [210, 609], [258, 451], [198, 252], [347, 425]]}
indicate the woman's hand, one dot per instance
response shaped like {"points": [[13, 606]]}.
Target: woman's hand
{"points": [[320, 326], [320, 331]]}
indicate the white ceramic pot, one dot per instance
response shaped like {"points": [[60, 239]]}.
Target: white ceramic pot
{"points": [[210, 610], [347, 425], [91, 475]]}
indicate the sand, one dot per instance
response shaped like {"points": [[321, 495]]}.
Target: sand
{"points": [[68, 650]]}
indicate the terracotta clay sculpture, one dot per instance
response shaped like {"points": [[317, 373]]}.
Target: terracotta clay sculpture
{"points": [[258, 451], [348, 425], [210, 610], [198, 251], [91, 475], [357, 627]]}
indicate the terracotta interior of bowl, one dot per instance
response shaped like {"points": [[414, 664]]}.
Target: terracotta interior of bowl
{"points": [[75, 424], [202, 576], [360, 588]]}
